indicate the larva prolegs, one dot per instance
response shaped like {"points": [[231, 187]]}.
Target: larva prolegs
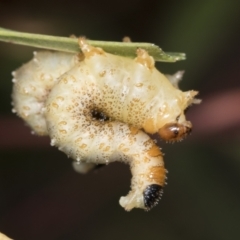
{"points": [[82, 167]]}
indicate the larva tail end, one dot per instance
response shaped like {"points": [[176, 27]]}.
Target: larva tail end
{"points": [[144, 58], [87, 49], [147, 196], [151, 196], [146, 200]]}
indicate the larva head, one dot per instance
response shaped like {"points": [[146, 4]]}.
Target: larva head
{"points": [[176, 128], [174, 131]]}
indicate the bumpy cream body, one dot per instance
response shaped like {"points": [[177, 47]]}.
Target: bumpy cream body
{"points": [[133, 95]]}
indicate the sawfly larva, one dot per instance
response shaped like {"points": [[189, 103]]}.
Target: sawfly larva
{"points": [[60, 95]]}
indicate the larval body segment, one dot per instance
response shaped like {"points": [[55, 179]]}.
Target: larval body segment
{"points": [[33, 82]]}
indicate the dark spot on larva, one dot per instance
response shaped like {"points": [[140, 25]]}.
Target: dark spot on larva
{"points": [[151, 195], [100, 116]]}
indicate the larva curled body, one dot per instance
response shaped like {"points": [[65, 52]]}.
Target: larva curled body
{"points": [[33, 82], [134, 96]]}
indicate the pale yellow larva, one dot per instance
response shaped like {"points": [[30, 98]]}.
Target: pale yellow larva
{"points": [[133, 95]]}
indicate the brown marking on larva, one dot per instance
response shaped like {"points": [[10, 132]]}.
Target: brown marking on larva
{"points": [[134, 130], [148, 143], [65, 80], [72, 78], [148, 126], [23, 115], [110, 137], [135, 100], [26, 108], [75, 127], [55, 105], [106, 149], [62, 123], [125, 150], [121, 146], [102, 74], [82, 146], [60, 98], [78, 140], [80, 57], [136, 162], [154, 151], [101, 145], [91, 136], [139, 84], [150, 87], [109, 125], [135, 155], [112, 71], [146, 159], [62, 131], [157, 174]]}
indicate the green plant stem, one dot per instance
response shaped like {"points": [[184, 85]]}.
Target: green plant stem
{"points": [[67, 44]]}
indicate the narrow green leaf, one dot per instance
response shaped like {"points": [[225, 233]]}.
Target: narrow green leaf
{"points": [[67, 44]]}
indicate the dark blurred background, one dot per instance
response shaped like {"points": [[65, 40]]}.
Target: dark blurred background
{"points": [[41, 197]]}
